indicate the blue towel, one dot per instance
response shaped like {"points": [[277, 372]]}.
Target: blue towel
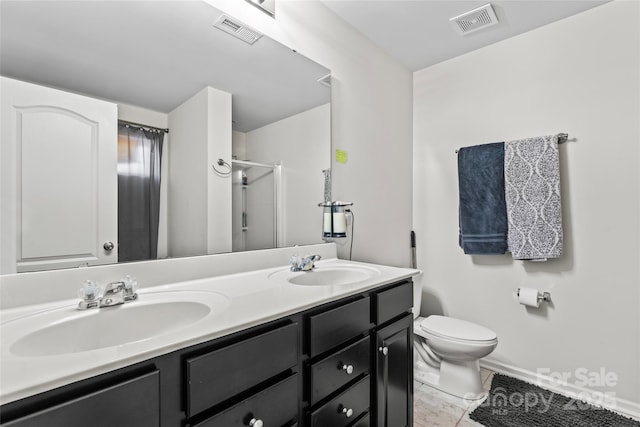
{"points": [[482, 210]]}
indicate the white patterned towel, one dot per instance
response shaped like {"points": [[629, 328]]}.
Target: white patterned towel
{"points": [[532, 195]]}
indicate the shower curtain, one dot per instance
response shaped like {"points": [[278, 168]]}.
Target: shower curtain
{"points": [[139, 155]]}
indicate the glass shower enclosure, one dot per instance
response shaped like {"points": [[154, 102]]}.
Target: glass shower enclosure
{"points": [[256, 204]]}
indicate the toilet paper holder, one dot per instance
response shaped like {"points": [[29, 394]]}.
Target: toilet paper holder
{"points": [[544, 296]]}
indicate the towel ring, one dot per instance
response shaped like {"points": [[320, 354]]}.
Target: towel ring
{"points": [[222, 163]]}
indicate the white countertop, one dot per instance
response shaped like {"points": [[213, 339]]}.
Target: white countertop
{"points": [[252, 298]]}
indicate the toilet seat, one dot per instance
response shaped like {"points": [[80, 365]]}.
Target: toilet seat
{"points": [[458, 330]]}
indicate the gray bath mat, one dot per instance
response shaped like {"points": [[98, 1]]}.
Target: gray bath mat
{"points": [[515, 403]]}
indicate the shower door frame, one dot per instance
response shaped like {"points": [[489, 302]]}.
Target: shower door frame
{"points": [[276, 167]]}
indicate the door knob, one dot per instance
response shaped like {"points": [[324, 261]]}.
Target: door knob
{"points": [[384, 350], [108, 246], [255, 422]]}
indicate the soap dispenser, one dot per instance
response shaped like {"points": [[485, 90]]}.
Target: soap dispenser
{"points": [[334, 220]]}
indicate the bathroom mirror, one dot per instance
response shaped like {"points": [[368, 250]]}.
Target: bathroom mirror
{"points": [[266, 6], [149, 58]]}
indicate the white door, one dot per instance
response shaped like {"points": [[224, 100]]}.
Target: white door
{"points": [[59, 179]]}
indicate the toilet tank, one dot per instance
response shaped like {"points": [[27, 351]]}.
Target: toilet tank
{"points": [[417, 294]]}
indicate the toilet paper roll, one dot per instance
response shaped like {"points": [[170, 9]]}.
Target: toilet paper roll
{"points": [[528, 297]]}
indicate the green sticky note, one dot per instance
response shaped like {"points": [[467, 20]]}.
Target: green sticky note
{"points": [[341, 156]]}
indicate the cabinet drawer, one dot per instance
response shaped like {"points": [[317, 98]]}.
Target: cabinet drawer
{"points": [[355, 400], [393, 302], [133, 403], [333, 327], [362, 422], [275, 406], [219, 375], [334, 371]]}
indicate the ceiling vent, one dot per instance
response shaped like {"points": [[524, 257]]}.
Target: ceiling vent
{"points": [[237, 29], [475, 19]]}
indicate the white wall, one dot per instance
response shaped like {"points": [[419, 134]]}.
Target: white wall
{"points": [[371, 120], [219, 238], [200, 133], [133, 113], [300, 143], [581, 76], [239, 145]]}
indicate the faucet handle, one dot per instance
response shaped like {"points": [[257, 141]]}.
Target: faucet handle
{"points": [[130, 283], [130, 287], [90, 291]]}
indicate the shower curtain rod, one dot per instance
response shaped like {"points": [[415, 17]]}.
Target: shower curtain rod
{"points": [[562, 138], [141, 126]]}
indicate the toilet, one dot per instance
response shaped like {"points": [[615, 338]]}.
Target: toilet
{"points": [[447, 353]]}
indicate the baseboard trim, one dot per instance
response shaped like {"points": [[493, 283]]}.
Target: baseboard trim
{"points": [[595, 397]]}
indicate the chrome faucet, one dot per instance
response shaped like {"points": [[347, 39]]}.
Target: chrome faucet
{"points": [[115, 293], [307, 263]]}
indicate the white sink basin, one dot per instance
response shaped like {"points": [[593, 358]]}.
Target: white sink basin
{"points": [[67, 330], [328, 275]]}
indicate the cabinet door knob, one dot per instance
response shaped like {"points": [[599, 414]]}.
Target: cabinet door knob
{"points": [[347, 368], [347, 412], [384, 350], [108, 246], [255, 422]]}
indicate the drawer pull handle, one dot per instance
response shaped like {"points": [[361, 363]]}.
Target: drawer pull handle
{"points": [[348, 369], [384, 350], [348, 412], [255, 422]]}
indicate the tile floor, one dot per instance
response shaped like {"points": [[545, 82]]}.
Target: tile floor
{"points": [[433, 408]]}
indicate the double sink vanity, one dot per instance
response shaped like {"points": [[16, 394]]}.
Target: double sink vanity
{"points": [[252, 345]]}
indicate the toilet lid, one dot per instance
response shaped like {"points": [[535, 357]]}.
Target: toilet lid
{"points": [[456, 328]]}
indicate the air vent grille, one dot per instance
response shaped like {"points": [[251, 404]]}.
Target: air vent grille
{"points": [[237, 29], [475, 20], [230, 25]]}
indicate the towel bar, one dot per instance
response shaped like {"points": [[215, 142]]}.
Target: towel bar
{"points": [[562, 138]]}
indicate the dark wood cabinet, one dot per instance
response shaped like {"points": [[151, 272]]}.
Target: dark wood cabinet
{"points": [[215, 376], [363, 421], [393, 302], [340, 368], [345, 407], [275, 406], [324, 367], [384, 356], [131, 403], [394, 368], [335, 326]]}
